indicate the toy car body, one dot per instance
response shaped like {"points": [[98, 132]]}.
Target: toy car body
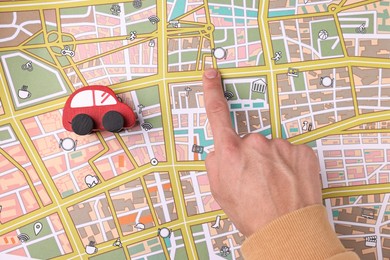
{"points": [[96, 108]]}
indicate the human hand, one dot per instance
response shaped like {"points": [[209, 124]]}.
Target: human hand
{"points": [[255, 180]]}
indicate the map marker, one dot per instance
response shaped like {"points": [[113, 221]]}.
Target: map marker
{"points": [[38, 228]]}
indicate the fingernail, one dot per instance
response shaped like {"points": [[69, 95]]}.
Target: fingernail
{"points": [[211, 73]]}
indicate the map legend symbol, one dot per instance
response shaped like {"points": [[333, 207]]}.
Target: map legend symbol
{"points": [[154, 161], [66, 51], [307, 126], [117, 243], [293, 72], [68, 144], [154, 19], [164, 232], [115, 9], [217, 222], [91, 181], [323, 35], [188, 90], [197, 149], [23, 93], [175, 24], [228, 95], [371, 241], [219, 53], [278, 56], [27, 66], [140, 226], [133, 36], [23, 238], [38, 228], [147, 126], [225, 251], [91, 249], [140, 107], [327, 82], [137, 4], [259, 86], [361, 29]]}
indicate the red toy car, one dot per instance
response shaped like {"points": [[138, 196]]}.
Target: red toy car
{"points": [[96, 108]]}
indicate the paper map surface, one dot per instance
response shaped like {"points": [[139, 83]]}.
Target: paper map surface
{"points": [[315, 72]]}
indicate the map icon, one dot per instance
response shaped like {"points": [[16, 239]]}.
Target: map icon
{"points": [[220, 53], [38, 228]]}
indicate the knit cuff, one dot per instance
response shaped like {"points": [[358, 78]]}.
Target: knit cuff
{"points": [[302, 234]]}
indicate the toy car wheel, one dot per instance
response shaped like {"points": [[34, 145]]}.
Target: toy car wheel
{"points": [[82, 124], [113, 121]]}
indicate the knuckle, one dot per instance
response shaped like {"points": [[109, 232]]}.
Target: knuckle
{"points": [[307, 150], [230, 149], [256, 140], [281, 143]]}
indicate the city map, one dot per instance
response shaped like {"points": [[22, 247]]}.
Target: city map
{"points": [[314, 72]]}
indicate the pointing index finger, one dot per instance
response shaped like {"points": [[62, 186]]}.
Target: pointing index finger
{"points": [[217, 107]]}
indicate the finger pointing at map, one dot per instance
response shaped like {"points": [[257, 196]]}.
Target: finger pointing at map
{"points": [[217, 108]]}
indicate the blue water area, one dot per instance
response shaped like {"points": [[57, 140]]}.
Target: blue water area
{"points": [[294, 130], [284, 135], [178, 9], [238, 12], [266, 132], [281, 13], [181, 132], [167, 241], [221, 10], [249, 13], [236, 106], [258, 105], [233, 119], [203, 141]]}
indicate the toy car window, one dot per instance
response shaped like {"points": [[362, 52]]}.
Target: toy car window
{"points": [[82, 99], [103, 98]]}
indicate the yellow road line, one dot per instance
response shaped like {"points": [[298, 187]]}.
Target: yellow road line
{"points": [[355, 190], [353, 90]]}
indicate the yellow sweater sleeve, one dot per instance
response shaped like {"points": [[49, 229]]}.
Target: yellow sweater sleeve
{"points": [[302, 234]]}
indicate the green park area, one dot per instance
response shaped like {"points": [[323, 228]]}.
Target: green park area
{"points": [[47, 246], [327, 47], [279, 46], [351, 23], [45, 249], [148, 96], [244, 91], [5, 133], [38, 85], [153, 245]]}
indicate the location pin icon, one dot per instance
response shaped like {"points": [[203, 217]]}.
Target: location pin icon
{"points": [[38, 228]]}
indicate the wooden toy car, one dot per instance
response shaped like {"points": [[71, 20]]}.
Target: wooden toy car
{"points": [[96, 108]]}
